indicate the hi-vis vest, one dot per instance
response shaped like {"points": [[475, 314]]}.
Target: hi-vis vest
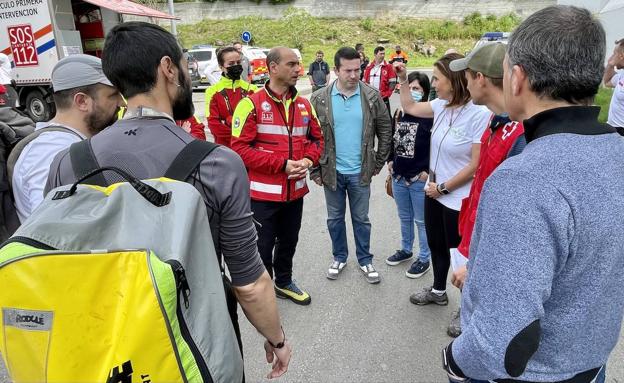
{"points": [[279, 128], [133, 293]]}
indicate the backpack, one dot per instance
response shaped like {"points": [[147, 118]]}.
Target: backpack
{"points": [[17, 131], [118, 284], [14, 126]]}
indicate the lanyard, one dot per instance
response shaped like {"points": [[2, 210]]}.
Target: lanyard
{"points": [[451, 122]]}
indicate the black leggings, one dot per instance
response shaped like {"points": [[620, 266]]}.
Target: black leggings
{"points": [[442, 234]]}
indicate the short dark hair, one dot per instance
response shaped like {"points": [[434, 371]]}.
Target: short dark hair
{"points": [[459, 84], [64, 99], [359, 46], [132, 54], [497, 82], [561, 49], [379, 49], [221, 54], [423, 80], [319, 52], [346, 53], [620, 43]]}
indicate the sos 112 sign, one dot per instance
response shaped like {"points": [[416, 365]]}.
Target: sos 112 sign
{"points": [[23, 45]]}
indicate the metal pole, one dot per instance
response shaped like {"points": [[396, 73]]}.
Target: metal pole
{"points": [[173, 22]]}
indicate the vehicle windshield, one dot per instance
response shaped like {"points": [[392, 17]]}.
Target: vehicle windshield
{"points": [[202, 55]]}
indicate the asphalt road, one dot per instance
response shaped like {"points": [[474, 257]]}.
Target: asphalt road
{"points": [[354, 331]]}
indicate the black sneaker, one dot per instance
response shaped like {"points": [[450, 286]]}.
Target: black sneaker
{"points": [[418, 269], [398, 257], [427, 296]]}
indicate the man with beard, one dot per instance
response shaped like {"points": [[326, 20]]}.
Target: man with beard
{"points": [[146, 64], [223, 97], [86, 103]]}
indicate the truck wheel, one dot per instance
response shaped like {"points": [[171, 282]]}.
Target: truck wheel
{"points": [[38, 108]]}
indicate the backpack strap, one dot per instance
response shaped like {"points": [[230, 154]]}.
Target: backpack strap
{"points": [[189, 159], [19, 147], [84, 162], [185, 163]]}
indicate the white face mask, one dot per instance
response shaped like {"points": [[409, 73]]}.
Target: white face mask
{"points": [[417, 95]]}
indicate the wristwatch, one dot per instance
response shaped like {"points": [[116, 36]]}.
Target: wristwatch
{"points": [[280, 344], [442, 189]]}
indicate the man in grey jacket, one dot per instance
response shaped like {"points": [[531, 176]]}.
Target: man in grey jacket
{"points": [[543, 299], [352, 114]]}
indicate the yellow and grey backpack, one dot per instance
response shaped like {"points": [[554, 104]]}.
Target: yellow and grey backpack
{"points": [[116, 284]]}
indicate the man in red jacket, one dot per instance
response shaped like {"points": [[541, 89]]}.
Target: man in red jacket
{"points": [[503, 138], [278, 136], [379, 73]]}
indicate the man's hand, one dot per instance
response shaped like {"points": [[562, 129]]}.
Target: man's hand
{"points": [[459, 277], [297, 169], [280, 357], [390, 169], [432, 190], [611, 61], [400, 70]]}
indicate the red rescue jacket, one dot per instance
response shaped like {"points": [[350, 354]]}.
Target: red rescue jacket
{"points": [[387, 73], [221, 101], [495, 147], [267, 132]]}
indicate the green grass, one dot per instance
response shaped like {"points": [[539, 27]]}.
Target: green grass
{"points": [[603, 99], [297, 29]]}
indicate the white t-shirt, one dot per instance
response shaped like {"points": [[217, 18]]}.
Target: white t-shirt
{"points": [[375, 76], [616, 109], [452, 135], [33, 166]]}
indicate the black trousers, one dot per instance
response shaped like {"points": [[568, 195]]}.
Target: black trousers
{"points": [[620, 130], [278, 236], [441, 224]]}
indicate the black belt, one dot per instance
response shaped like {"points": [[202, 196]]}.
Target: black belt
{"points": [[583, 377]]}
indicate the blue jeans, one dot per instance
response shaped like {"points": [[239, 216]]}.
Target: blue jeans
{"points": [[410, 201], [348, 185]]}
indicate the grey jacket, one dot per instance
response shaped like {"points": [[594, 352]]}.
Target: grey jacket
{"points": [[376, 124]]}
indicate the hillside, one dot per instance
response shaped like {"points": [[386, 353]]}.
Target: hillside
{"points": [[300, 30]]}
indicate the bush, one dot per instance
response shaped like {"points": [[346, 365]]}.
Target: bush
{"points": [[367, 24]]}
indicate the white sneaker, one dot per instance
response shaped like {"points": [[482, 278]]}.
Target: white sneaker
{"points": [[372, 276], [334, 269]]}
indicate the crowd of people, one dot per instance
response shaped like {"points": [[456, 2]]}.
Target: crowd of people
{"points": [[506, 174]]}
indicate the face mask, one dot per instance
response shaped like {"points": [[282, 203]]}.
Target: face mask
{"points": [[234, 72], [417, 95]]}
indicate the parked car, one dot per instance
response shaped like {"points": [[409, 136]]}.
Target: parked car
{"points": [[205, 55], [193, 68]]}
